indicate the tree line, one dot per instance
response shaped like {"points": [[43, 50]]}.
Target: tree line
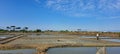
{"points": [[17, 29]]}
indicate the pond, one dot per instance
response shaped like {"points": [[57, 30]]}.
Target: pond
{"points": [[82, 50], [18, 51], [5, 36], [49, 35], [112, 40], [103, 38]]}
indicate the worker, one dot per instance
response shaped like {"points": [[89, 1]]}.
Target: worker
{"points": [[97, 36]]}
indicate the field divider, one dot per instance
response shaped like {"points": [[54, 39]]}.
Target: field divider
{"points": [[4, 41]]}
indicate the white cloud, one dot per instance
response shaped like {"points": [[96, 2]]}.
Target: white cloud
{"points": [[38, 1], [82, 7], [82, 15], [114, 17], [117, 4], [108, 17], [50, 3], [109, 5]]}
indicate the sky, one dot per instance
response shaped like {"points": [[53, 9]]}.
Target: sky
{"points": [[91, 15]]}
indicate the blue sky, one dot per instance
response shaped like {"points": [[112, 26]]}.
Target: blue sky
{"points": [[94, 15]]}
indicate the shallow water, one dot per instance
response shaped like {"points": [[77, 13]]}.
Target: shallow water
{"points": [[45, 35], [5, 36], [103, 38], [82, 50], [113, 40], [71, 50], [18, 51], [94, 37]]}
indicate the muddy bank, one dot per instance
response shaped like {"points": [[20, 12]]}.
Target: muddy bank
{"points": [[9, 39], [70, 45], [43, 48], [15, 46], [43, 43], [111, 34]]}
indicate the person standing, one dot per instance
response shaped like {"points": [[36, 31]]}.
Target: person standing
{"points": [[97, 36]]}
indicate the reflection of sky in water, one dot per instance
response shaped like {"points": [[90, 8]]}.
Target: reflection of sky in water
{"points": [[102, 38], [49, 35], [113, 40], [113, 50], [18, 51], [93, 37], [5, 36], [82, 50], [87, 36], [70, 50]]}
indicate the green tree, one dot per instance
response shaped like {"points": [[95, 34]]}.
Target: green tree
{"points": [[38, 30], [78, 30], [119, 34], [18, 28], [25, 29], [13, 28], [64, 31], [8, 28]]}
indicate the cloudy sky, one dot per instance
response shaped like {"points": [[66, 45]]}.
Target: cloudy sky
{"points": [[95, 15]]}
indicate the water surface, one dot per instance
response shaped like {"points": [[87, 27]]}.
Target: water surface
{"points": [[82, 50], [5, 36], [112, 40], [18, 51], [103, 38]]}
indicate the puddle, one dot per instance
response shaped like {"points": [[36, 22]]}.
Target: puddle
{"points": [[113, 40], [18, 51], [5, 36], [82, 50]]}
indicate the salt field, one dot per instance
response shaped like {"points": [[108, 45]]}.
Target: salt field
{"points": [[55, 39], [83, 50], [44, 41], [18, 51]]}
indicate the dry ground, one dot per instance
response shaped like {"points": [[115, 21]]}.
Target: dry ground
{"points": [[43, 42]]}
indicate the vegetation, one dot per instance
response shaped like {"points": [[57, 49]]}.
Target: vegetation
{"points": [[18, 29], [119, 34], [64, 31], [38, 30], [77, 32], [14, 29], [2, 30]]}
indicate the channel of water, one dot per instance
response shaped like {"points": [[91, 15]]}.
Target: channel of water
{"points": [[83, 50]]}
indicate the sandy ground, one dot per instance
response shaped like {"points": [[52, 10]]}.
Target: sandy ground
{"points": [[43, 42]]}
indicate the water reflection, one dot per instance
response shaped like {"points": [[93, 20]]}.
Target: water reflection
{"points": [[18, 51], [85, 50], [111, 39], [5, 36]]}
